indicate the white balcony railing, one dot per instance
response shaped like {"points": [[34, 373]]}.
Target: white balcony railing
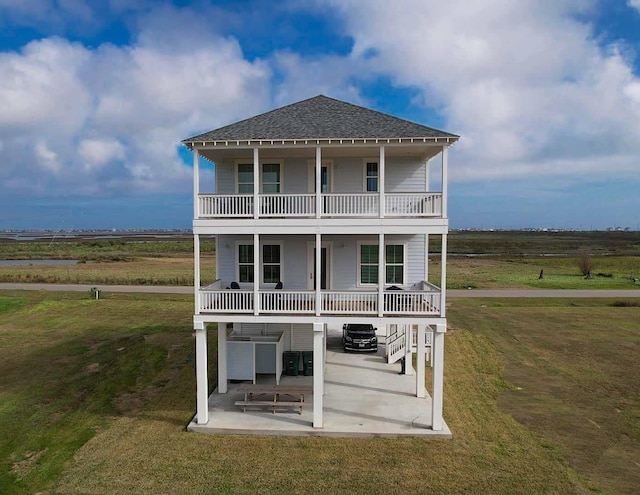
{"points": [[413, 204], [287, 205], [332, 204], [215, 298]]}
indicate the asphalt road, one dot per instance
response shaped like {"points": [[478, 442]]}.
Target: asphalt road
{"points": [[164, 289]]}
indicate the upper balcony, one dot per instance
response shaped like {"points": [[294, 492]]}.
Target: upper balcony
{"points": [[331, 205]]}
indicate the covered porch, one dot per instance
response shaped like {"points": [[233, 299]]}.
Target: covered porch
{"points": [[363, 397]]}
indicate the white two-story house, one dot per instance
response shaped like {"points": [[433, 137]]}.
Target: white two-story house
{"points": [[323, 214]]}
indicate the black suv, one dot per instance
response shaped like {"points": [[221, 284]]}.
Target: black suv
{"points": [[359, 337]]}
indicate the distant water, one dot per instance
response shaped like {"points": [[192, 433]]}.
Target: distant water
{"points": [[38, 262], [38, 235]]}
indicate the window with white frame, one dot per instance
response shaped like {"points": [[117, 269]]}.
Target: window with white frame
{"points": [[245, 263], [368, 264], [371, 176], [271, 263], [394, 263], [245, 178], [270, 178]]}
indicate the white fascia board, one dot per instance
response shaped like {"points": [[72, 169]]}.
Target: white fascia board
{"points": [[324, 142], [310, 226], [284, 318]]}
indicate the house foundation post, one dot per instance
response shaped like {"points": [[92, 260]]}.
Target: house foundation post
{"points": [[202, 382], [318, 374], [222, 358], [437, 357], [420, 363], [408, 335]]}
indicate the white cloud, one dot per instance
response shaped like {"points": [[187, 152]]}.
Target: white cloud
{"points": [[525, 83], [110, 119], [634, 4]]}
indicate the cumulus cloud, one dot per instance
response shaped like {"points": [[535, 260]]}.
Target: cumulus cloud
{"points": [[526, 83], [110, 119], [634, 4]]}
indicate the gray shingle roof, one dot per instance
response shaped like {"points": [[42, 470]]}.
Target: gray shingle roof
{"points": [[320, 117]]}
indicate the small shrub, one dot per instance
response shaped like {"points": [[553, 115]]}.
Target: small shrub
{"points": [[626, 304], [585, 264]]}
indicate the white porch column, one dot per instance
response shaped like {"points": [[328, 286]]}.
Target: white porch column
{"points": [[256, 274], [445, 160], [427, 176], [408, 365], [426, 257], [256, 183], [222, 357], [196, 183], [381, 173], [437, 356], [318, 182], [443, 277], [420, 363], [318, 374], [381, 274], [202, 382], [317, 278], [196, 272]]}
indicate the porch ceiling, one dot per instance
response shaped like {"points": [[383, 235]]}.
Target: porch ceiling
{"points": [[422, 151]]}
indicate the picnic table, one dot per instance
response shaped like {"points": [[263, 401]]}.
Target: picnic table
{"points": [[273, 396]]}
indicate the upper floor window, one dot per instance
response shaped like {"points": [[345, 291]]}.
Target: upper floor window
{"points": [[270, 177], [245, 178], [271, 180], [394, 261], [245, 263], [371, 176]]}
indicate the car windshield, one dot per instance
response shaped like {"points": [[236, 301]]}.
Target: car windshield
{"points": [[360, 328]]}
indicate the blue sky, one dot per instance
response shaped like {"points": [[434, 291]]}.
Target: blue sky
{"points": [[95, 96]]}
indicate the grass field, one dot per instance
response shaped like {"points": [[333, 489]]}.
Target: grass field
{"points": [[509, 260], [94, 397]]}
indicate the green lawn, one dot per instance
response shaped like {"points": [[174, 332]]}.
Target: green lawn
{"points": [[95, 396]]}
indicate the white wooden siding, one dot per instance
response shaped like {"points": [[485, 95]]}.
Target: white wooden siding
{"points": [[295, 271]]}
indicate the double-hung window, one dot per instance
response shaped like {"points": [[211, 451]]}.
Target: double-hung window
{"points": [[245, 263], [368, 264], [270, 178], [245, 178], [371, 176], [271, 263]]}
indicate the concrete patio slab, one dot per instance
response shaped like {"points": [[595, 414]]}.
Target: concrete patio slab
{"points": [[364, 397]]}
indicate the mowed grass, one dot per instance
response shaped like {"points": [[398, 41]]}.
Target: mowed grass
{"points": [[95, 396], [68, 364], [524, 273], [572, 369]]}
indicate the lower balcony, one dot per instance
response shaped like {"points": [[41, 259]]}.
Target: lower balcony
{"points": [[422, 299]]}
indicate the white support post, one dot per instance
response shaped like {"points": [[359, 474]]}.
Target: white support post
{"points": [[381, 174], [437, 357], [196, 272], [202, 382], [445, 160], [256, 274], [318, 170], [318, 275], [408, 354], [426, 257], [256, 183], [420, 363], [443, 277], [318, 374], [196, 183], [427, 175], [381, 274], [222, 358]]}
